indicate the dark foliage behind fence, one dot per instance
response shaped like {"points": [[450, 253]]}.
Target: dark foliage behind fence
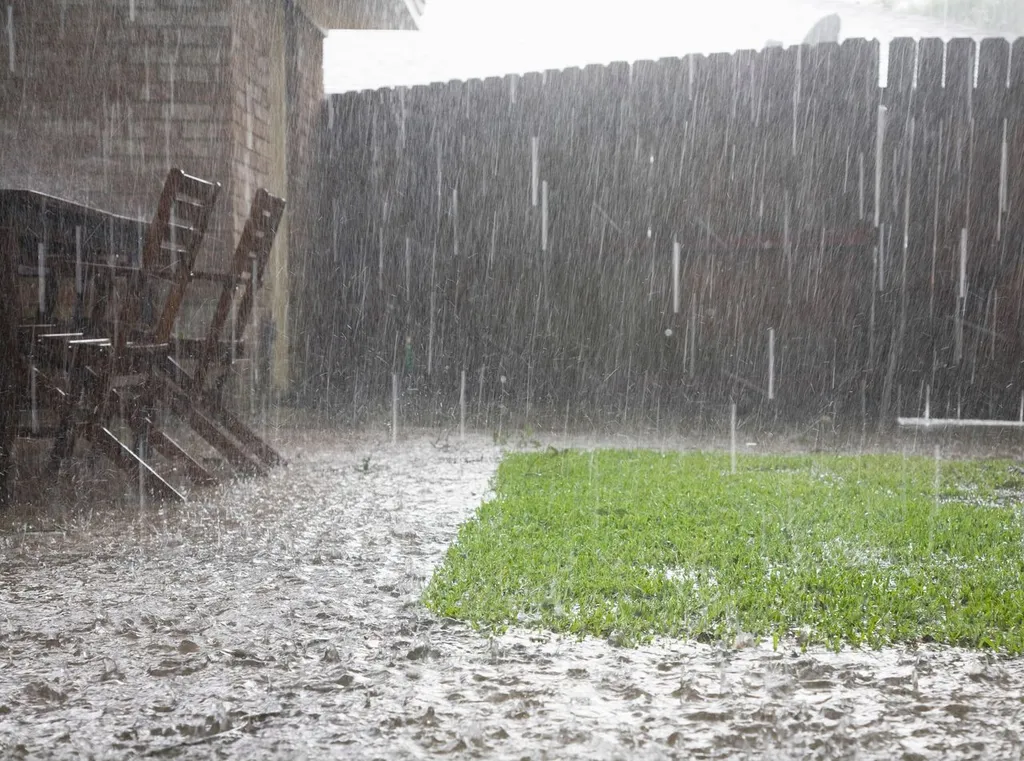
{"points": [[635, 243]]}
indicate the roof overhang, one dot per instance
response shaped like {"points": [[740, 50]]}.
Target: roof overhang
{"points": [[364, 14]]}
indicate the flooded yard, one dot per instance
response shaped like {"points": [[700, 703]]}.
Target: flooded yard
{"points": [[280, 618]]}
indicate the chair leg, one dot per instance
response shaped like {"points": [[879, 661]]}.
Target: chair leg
{"points": [[209, 405], [141, 417], [127, 460]]}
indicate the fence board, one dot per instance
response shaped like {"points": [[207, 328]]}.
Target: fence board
{"points": [[985, 220], [767, 170]]}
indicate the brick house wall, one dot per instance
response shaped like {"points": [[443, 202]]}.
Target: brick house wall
{"points": [[257, 141], [99, 98], [305, 124]]}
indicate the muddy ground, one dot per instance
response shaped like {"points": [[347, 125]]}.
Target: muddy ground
{"points": [[280, 618]]}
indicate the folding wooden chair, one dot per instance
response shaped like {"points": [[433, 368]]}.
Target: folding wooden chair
{"points": [[118, 359], [238, 286], [247, 268], [187, 393], [169, 254]]}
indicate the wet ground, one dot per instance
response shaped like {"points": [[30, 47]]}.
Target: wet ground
{"points": [[280, 618]]}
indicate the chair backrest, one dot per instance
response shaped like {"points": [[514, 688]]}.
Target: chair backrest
{"points": [[247, 267], [169, 251], [255, 244]]}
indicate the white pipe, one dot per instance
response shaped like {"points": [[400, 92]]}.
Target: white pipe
{"points": [[924, 422]]}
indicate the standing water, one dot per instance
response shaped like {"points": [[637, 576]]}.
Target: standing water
{"points": [[281, 618]]}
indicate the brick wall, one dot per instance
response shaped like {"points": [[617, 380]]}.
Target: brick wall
{"points": [[99, 98], [305, 123], [250, 105]]}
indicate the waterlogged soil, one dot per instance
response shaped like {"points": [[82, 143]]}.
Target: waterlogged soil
{"points": [[280, 618]]}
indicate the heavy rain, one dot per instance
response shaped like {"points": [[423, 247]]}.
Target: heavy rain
{"points": [[319, 321]]}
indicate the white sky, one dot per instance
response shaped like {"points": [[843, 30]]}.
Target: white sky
{"points": [[461, 39]]}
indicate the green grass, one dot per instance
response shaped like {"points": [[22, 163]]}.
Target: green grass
{"points": [[831, 549]]}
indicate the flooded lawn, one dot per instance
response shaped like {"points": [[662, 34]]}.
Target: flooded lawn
{"points": [[280, 618]]}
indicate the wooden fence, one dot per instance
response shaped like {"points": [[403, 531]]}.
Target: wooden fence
{"points": [[640, 242]]}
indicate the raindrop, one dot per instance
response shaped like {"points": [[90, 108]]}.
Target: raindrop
{"points": [[433, 310], [880, 249], [380, 257], [879, 155], [480, 393], [462, 407], [455, 220], [78, 261], [249, 139], [408, 271], [675, 278], [544, 216], [253, 363], [394, 408], [860, 185], [33, 391], [10, 38], [41, 278], [962, 291], [142, 454], [1004, 163], [534, 170], [693, 334], [846, 171], [234, 328]]}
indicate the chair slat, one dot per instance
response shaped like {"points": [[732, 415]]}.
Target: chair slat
{"points": [[253, 249]]}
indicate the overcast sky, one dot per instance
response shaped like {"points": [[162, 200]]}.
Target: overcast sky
{"points": [[461, 39]]}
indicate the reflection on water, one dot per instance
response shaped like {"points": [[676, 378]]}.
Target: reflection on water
{"points": [[281, 618]]}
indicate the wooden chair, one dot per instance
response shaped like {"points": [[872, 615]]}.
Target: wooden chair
{"points": [[129, 367], [169, 255], [137, 340], [187, 393], [247, 268], [239, 286]]}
